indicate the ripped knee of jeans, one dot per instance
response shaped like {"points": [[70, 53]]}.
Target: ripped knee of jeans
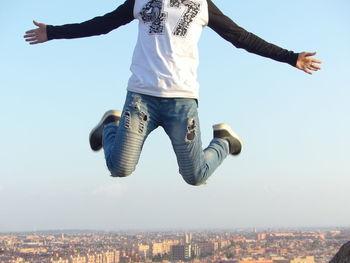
{"points": [[142, 122], [136, 102], [127, 116], [191, 130], [139, 125]]}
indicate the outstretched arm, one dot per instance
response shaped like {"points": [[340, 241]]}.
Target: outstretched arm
{"points": [[241, 38], [96, 26]]}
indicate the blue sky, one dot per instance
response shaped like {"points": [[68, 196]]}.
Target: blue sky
{"points": [[293, 170]]}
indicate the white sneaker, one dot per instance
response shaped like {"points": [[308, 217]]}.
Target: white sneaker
{"points": [[95, 136], [224, 131]]}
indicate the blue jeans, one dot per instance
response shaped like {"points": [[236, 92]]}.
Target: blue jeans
{"points": [[123, 142]]}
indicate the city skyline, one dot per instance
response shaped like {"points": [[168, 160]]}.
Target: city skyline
{"points": [[166, 247], [293, 170]]}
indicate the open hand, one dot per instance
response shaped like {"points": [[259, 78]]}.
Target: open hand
{"points": [[307, 63], [38, 35]]}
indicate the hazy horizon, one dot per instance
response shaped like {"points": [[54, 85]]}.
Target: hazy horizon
{"points": [[184, 230]]}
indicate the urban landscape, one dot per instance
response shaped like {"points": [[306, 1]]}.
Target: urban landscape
{"points": [[236, 246]]}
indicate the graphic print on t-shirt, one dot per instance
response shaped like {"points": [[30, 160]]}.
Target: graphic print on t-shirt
{"points": [[187, 17], [153, 13]]}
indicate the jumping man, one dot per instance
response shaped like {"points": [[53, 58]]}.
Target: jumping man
{"points": [[163, 87]]}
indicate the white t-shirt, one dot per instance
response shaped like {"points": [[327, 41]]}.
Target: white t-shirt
{"points": [[165, 58]]}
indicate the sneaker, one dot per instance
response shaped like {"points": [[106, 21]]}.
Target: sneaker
{"points": [[224, 131], [95, 136]]}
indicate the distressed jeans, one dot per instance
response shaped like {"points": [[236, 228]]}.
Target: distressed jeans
{"points": [[123, 142]]}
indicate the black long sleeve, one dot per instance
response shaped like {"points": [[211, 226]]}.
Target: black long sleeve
{"points": [[241, 38], [96, 26]]}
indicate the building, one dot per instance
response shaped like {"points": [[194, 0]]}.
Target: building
{"points": [[144, 251], [162, 248], [77, 259], [181, 252], [157, 249], [253, 260], [188, 238], [195, 250], [309, 259], [207, 248], [109, 257], [60, 260]]}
